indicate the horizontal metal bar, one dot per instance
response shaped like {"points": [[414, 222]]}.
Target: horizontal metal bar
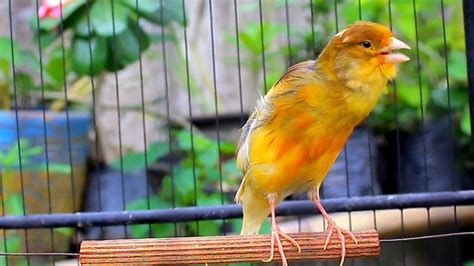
{"points": [[303, 207]]}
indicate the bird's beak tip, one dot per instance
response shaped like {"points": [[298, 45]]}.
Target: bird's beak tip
{"points": [[397, 44]]}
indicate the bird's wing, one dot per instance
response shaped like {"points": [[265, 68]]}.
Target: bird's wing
{"points": [[264, 111]]}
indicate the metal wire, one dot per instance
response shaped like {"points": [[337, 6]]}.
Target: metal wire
{"points": [[398, 142], [451, 128], [190, 112], [262, 42], [15, 95], [94, 114], [218, 136], [142, 99], [45, 139], [117, 98]]}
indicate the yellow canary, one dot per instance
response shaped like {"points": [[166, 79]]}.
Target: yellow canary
{"points": [[298, 129]]}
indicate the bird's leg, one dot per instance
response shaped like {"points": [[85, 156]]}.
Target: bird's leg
{"points": [[332, 226], [276, 234]]}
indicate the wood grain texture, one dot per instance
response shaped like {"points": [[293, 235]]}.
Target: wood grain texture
{"points": [[222, 249]]}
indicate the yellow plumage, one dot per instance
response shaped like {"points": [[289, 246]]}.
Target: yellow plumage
{"points": [[297, 130]]}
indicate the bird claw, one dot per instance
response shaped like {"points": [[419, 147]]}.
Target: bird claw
{"points": [[333, 227], [275, 237]]}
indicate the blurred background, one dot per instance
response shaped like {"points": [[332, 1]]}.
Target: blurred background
{"points": [[134, 105]]}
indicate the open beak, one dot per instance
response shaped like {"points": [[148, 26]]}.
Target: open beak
{"points": [[395, 58]]}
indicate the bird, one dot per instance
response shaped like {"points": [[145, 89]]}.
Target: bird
{"points": [[297, 130]]}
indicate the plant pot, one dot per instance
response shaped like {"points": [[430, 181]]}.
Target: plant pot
{"points": [[67, 149]]}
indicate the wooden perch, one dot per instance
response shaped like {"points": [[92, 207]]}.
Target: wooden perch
{"points": [[222, 249]]}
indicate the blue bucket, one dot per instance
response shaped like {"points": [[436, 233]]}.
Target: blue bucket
{"points": [[61, 138]]}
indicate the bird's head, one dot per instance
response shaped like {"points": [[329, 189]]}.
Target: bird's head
{"points": [[363, 52]]}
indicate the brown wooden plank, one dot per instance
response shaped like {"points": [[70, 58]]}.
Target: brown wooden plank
{"points": [[222, 249]]}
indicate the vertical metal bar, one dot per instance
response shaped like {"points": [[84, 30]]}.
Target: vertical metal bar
{"points": [[313, 39], [360, 10], [68, 120], [142, 100], [260, 12], [468, 7], [398, 143], [423, 126], [119, 123], [239, 65], [45, 131], [94, 112], [420, 87], [15, 94], [451, 130], [335, 15], [214, 75], [168, 113], [288, 39], [190, 110]]}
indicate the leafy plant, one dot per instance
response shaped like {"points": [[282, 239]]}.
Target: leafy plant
{"points": [[110, 28], [197, 176], [252, 46], [23, 80]]}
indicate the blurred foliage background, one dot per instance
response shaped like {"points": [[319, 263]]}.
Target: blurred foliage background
{"points": [[170, 56]]}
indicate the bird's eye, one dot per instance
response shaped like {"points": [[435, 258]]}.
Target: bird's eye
{"points": [[366, 44]]}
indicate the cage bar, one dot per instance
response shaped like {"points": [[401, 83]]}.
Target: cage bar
{"points": [[300, 207]]}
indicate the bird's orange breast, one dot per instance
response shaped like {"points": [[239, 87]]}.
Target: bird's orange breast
{"points": [[294, 150]]}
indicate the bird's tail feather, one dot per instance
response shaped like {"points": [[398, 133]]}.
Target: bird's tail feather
{"points": [[255, 207]]}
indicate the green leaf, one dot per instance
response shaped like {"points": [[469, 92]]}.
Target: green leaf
{"points": [[139, 230], [469, 263], [14, 243], [211, 174], [49, 23], [81, 55], [14, 205], [458, 98], [210, 157], [58, 168], [82, 26], [142, 204], [162, 230], [411, 95], [209, 228], [213, 199], [184, 139], [466, 122], [157, 150], [228, 148], [134, 161], [184, 182], [148, 6], [6, 48], [230, 167], [104, 21], [130, 43], [457, 65], [172, 10], [65, 231]]}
